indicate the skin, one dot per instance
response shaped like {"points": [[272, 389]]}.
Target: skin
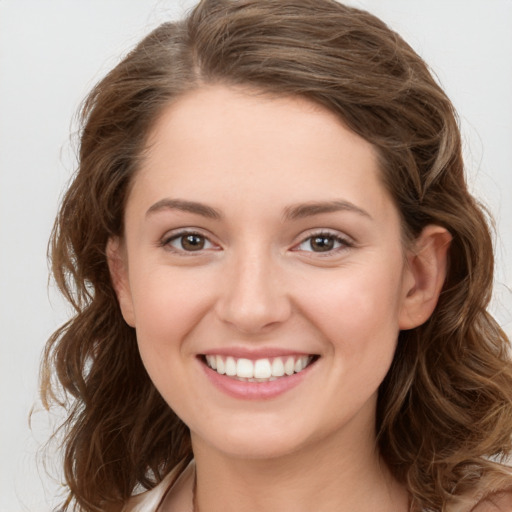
{"points": [[258, 284]]}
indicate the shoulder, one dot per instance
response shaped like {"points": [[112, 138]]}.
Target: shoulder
{"points": [[497, 502]]}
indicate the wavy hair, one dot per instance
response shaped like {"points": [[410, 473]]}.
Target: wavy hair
{"points": [[444, 415]]}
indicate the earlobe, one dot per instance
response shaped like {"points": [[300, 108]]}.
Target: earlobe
{"points": [[118, 267], [427, 268]]}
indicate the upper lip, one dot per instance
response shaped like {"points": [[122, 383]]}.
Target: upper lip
{"points": [[254, 353]]}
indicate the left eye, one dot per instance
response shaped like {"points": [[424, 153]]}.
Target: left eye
{"points": [[323, 242], [189, 242]]}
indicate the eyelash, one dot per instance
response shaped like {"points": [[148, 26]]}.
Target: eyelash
{"points": [[166, 242], [343, 243]]}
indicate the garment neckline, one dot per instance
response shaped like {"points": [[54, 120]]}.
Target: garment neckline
{"points": [[174, 492], [178, 493]]}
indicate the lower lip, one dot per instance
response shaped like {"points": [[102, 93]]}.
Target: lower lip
{"points": [[254, 390]]}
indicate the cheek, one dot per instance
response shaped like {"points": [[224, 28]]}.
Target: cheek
{"points": [[168, 305], [357, 314], [358, 310]]}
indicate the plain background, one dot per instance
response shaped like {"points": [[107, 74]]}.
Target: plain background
{"points": [[53, 51]]}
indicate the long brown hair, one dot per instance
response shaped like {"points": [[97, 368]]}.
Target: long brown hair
{"points": [[444, 414]]}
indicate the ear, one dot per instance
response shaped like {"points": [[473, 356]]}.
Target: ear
{"points": [[118, 267], [427, 263]]}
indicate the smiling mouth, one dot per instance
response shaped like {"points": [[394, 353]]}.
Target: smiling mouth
{"points": [[259, 370]]}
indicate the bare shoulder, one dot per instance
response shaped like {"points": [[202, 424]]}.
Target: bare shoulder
{"points": [[497, 502]]}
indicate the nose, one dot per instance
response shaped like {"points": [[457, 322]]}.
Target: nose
{"points": [[253, 297]]}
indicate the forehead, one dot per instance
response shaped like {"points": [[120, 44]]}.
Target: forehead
{"points": [[256, 112], [217, 140]]}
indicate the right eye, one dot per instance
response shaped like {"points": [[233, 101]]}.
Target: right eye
{"points": [[188, 242]]}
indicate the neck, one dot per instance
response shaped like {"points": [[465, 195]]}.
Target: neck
{"points": [[328, 476]]}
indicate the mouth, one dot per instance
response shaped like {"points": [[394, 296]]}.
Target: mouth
{"points": [[258, 370]]}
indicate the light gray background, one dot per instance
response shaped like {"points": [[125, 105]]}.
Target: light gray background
{"points": [[52, 52]]}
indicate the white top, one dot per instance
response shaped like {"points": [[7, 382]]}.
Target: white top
{"points": [[177, 497]]}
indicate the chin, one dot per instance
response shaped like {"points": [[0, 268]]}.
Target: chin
{"points": [[258, 443]]}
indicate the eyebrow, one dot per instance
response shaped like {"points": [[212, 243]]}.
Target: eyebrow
{"points": [[293, 212], [301, 211], [184, 206]]}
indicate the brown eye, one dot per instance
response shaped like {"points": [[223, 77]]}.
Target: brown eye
{"points": [[192, 242], [189, 242], [322, 243]]}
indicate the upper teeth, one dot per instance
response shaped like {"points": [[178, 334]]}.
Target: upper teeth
{"points": [[258, 369]]}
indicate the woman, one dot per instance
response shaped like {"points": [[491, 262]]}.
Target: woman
{"points": [[280, 277]]}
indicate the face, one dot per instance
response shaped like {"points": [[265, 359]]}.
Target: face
{"points": [[263, 270]]}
